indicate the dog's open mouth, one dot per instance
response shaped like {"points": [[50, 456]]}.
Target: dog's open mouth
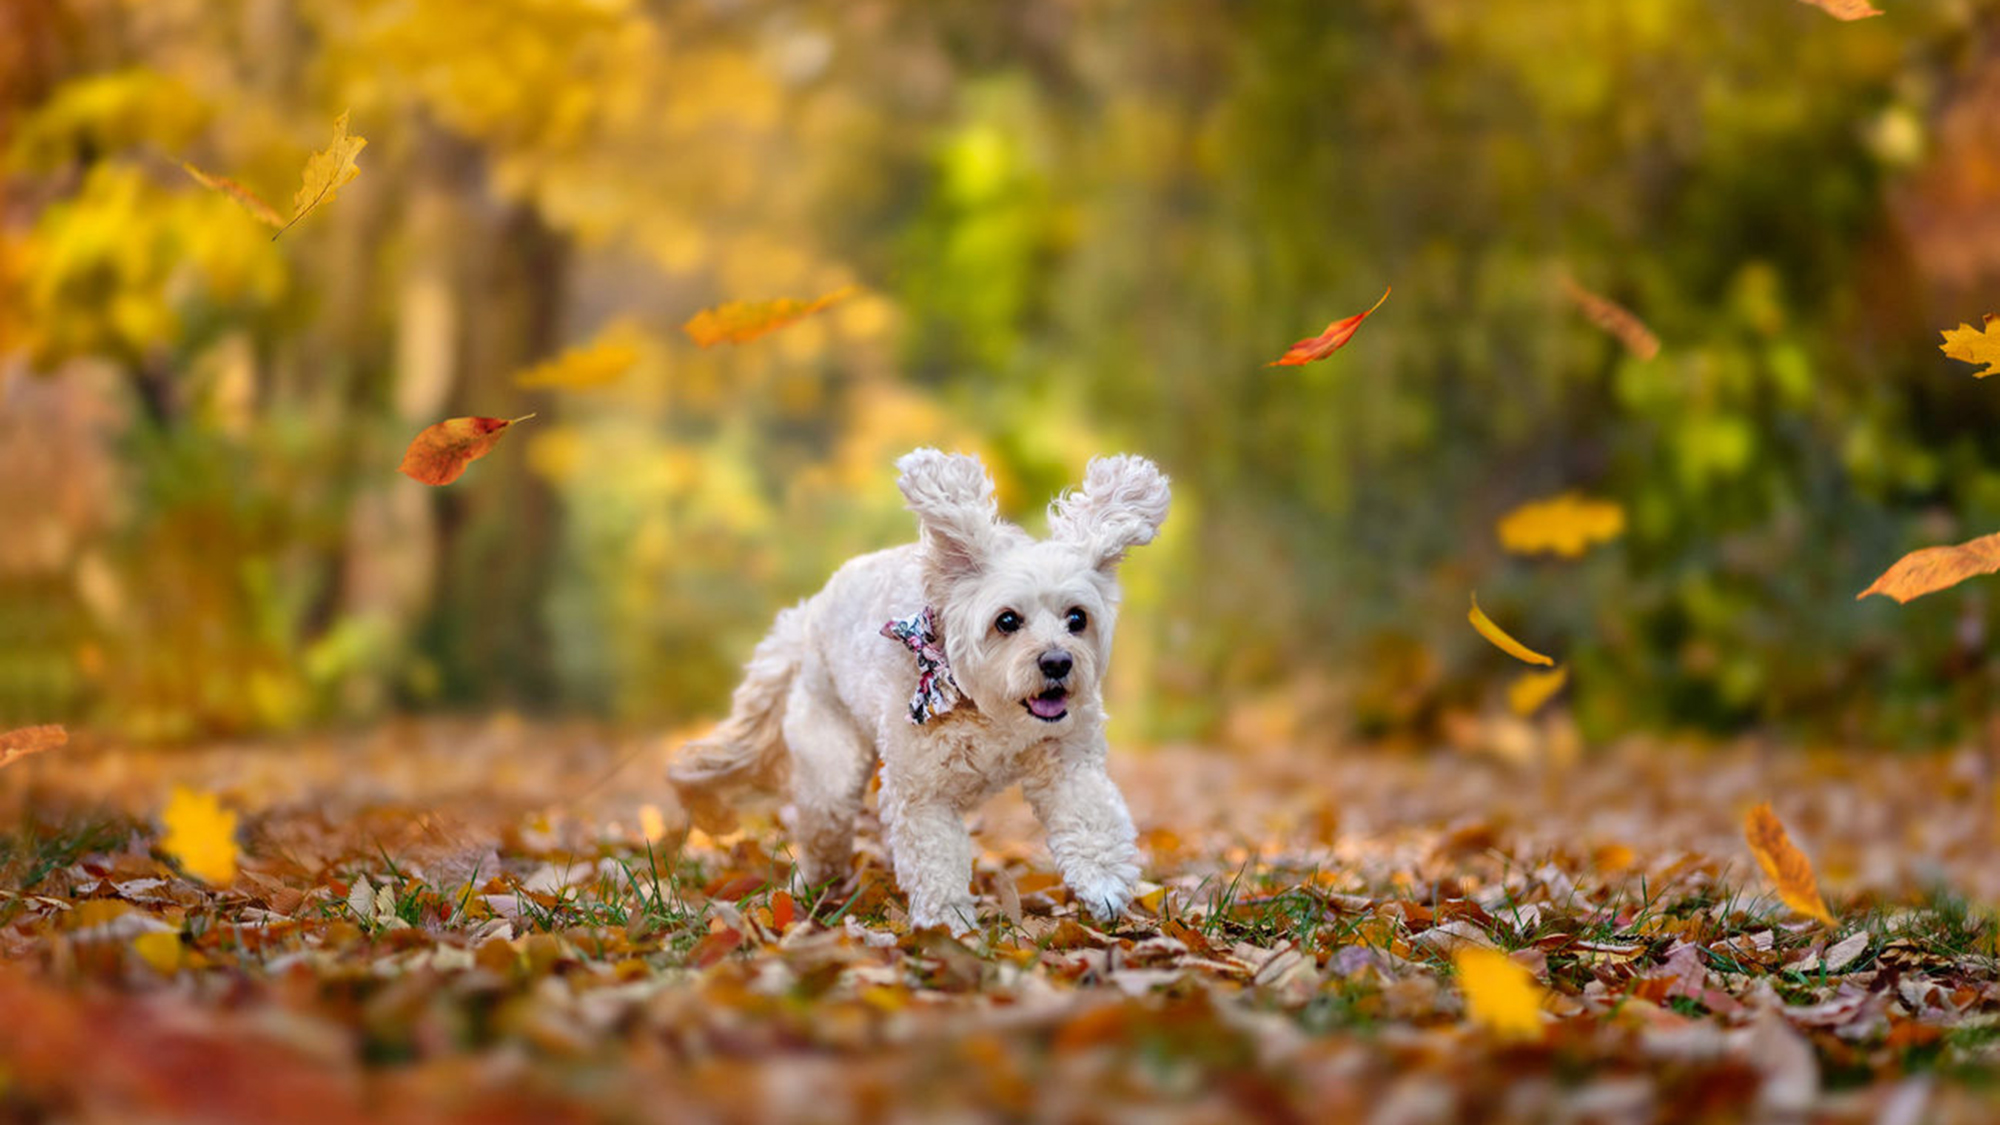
{"points": [[1049, 706]]}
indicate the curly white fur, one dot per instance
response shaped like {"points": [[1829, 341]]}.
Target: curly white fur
{"points": [[826, 695]]}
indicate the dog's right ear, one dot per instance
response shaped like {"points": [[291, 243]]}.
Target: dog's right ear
{"points": [[953, 500]]}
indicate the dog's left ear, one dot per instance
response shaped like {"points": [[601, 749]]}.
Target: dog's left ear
{"points": [[1122, 505]]}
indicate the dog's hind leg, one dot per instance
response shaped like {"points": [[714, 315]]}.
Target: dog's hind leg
{"points": [[831, 761]]}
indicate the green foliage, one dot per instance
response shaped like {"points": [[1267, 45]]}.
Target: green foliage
{"points": [[1077, 239]]}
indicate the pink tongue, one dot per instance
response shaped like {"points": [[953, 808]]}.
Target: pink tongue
{"points": [[1048, 707]]}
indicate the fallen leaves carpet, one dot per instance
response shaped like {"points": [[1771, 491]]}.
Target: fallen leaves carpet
{"points": [[498, 922]]}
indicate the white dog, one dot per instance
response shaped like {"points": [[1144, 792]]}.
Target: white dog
{"points": [[967, 661]]}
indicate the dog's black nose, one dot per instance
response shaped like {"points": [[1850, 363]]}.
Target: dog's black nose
{"points": [[1055, 664]]}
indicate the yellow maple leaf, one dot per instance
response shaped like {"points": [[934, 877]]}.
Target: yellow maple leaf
{"points": [[201, 835], [1784, 863], [1565, 525], [596, 364], [739, 321], [1499, 994], [1526, 694], [1501, 638], [1975, 345], [326, 172]]}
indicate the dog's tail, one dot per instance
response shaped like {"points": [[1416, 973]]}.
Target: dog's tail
{"points": [[747, 752]]}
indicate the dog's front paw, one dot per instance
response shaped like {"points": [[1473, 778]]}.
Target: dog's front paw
{"points": [[1105, 893], [960, 917]]}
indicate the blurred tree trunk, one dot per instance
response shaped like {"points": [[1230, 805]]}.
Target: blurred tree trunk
{"points": [[498, 525]]}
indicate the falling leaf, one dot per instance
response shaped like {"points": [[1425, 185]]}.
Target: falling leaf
{"points": [[1937, 568], [326, 173], [597, 364], [1565, 525], [440, 453], [1526, 694], [1975, 345], [18, 744], [1613, 318], [1328, 342], [1784, 864], [1845, 9], [1499, 994], [244, 197], [739, 321], [1499, 637], [161, 949], [201, 835]]}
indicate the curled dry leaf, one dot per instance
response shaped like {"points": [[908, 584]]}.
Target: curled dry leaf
{"points": [[1937, 568], [738, 321], [1565, 525], [1500, 637], [326, 173], [1784, 863], [1328, 342], [1613, 318], [441, 452], [1499, 994], [1845, 9], [1975, 345], [201, 835], [18, 744], [1527, 693], [244, 197]]}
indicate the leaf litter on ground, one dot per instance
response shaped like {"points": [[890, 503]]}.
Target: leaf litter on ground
{"points": [[438, 921]]}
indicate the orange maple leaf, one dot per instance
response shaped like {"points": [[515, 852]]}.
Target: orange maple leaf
{"points": [[442, 451], [1328, 342]]}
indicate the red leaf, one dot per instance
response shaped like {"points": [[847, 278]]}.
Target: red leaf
{"points": [[783, 910], [1328, 342], [714, 947], [441, 452]]}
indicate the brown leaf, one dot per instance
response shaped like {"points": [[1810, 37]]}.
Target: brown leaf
{"points": [[244, 197], [1613, 318], [18, 744], [1937, 568], [715, 947], [739, 321], [441, 452], [1784, 864], [1328, 342]]}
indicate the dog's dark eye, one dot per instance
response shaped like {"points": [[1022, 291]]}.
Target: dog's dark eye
{"points": [[1008, 621], [1076, 619]]}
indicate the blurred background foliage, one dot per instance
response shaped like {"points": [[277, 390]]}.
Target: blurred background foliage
{"points": [[1079, 226]]}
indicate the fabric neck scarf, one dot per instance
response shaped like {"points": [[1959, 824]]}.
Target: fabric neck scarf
{"points": [[936, 691]]}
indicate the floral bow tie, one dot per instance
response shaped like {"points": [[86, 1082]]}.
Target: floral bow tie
{"points": [[936, 692]]}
